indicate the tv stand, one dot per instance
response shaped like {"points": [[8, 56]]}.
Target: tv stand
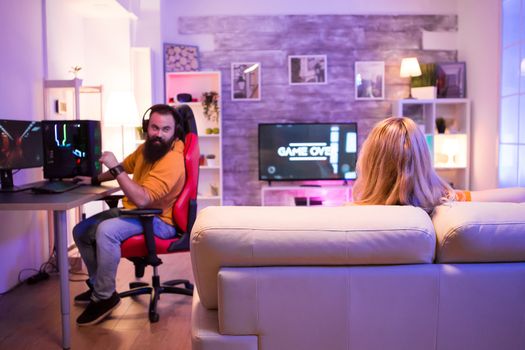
{"points": [[292, 195]]}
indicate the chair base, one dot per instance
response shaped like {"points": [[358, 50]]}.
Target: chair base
{"points": [[155, 290]]}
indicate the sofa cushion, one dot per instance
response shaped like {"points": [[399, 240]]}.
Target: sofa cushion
{"points": [[480, 232], [301, 236]]}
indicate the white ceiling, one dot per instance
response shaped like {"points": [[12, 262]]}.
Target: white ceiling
{"points": [[100, 9]]}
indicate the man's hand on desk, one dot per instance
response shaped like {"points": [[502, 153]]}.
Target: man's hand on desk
{"points": [[84, 180]]}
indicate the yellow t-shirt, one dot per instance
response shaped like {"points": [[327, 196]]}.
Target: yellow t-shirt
{"points": [[163, 180]]}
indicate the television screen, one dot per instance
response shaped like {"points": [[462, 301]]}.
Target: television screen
{"points": [[20, 144], [304, 151]]}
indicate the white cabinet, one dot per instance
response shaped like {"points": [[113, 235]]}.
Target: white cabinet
{"points": [[330, 195], [450, 145], [208, 128]]}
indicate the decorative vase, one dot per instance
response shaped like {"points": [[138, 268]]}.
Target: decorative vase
{"points": [[424, 92]]}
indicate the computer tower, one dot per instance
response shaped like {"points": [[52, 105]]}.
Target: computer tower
{"points": [[71, 148]]}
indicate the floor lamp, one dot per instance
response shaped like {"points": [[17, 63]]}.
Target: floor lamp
{"points": [[122, 112]]}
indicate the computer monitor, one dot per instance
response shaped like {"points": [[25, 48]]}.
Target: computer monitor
{"points": [[20, 148], [71, 148]]}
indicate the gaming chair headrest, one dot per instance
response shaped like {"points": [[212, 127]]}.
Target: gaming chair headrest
{"points": [[188, 119]]}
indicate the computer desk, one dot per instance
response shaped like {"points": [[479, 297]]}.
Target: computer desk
{"points": [[59, 203]]}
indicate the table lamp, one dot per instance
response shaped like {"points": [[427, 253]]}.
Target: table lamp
{"points": [[409, 68]]}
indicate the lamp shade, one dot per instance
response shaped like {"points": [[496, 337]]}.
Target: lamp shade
{"points": [[409, 67], [122, 109]]}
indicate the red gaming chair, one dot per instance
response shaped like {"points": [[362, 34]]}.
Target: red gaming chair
{"points": [[142, 250]]}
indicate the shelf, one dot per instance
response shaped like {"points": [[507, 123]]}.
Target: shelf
{"points": [[415, 101], [450, 151], [196, 84], [208, 198]]}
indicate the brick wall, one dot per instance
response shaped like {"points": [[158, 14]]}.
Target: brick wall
{"points": [[270, 39]]}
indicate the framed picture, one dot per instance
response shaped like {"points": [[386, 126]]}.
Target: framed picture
{"points": [[180, 58], [246, 81], [370, 80], [451, 80], [307, 69]]}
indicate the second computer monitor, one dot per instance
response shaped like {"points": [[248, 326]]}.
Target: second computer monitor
{"points": [[71, 148]]}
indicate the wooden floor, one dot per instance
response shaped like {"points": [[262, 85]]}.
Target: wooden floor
{"points": [[30, 315]]}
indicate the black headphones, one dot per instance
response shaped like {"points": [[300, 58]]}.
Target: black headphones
{"points": [[164, 109]]}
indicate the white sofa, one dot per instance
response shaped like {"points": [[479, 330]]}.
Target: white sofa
{"points": [[359, 277]]}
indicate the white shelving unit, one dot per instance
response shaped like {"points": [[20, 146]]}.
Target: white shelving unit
{"points": [[330, 195], [450, 150], [68, 99], [196, 83]]}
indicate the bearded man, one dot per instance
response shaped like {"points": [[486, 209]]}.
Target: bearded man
{"points": [[158, 173]]}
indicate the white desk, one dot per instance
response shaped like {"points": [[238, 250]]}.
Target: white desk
{"points": [[59, 204]]}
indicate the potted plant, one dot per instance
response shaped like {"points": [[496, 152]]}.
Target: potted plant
{"points": [[210, 104], [424, 86]]}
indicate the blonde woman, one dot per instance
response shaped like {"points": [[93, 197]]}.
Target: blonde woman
{"points": [[394, 168]]}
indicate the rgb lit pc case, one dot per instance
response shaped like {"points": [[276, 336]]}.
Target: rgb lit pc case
{"points": [[71, 148]]}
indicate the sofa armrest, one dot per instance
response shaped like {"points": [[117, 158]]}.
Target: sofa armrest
{"points": [[480, 232], [295, 236]]}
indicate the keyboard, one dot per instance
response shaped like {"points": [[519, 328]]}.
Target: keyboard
{"points": [[56, 187]]}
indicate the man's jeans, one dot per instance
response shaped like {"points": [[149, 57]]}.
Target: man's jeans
{"points": [[98, 239]]}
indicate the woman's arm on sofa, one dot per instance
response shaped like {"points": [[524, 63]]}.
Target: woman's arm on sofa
{"points": [[513, 194]]}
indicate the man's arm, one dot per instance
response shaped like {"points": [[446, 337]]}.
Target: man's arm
{"points": [[135, 193]]}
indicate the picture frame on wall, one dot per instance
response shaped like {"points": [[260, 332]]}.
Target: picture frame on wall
{"points": [[307, 69], [181, 58], [369, 77], [246, 81], [451, 80]]}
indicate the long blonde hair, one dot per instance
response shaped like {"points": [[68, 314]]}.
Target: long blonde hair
{"points": [[394, 168]]}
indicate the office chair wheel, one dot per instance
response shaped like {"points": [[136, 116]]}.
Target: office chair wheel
{"points": [[153, 317]]}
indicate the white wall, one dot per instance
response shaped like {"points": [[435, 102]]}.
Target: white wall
{"points": [[23, 237], [479, 45]]}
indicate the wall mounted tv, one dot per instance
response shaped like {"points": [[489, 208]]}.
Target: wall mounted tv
{"points": [[307, 151]]}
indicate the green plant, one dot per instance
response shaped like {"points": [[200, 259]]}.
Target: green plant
{"points": [[210, 105], [427, 77]]}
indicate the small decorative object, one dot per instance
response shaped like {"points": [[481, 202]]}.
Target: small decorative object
{"points": [[61, 107], [441, 125], [209, 131], [424, 86], [307, 69], [183, 97], [210, 160], [451, 78], [246, 81], [214, 190], [202, 159], [210, 104], [180, 58], [369, 80], [139, 133], [75, 70]]}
